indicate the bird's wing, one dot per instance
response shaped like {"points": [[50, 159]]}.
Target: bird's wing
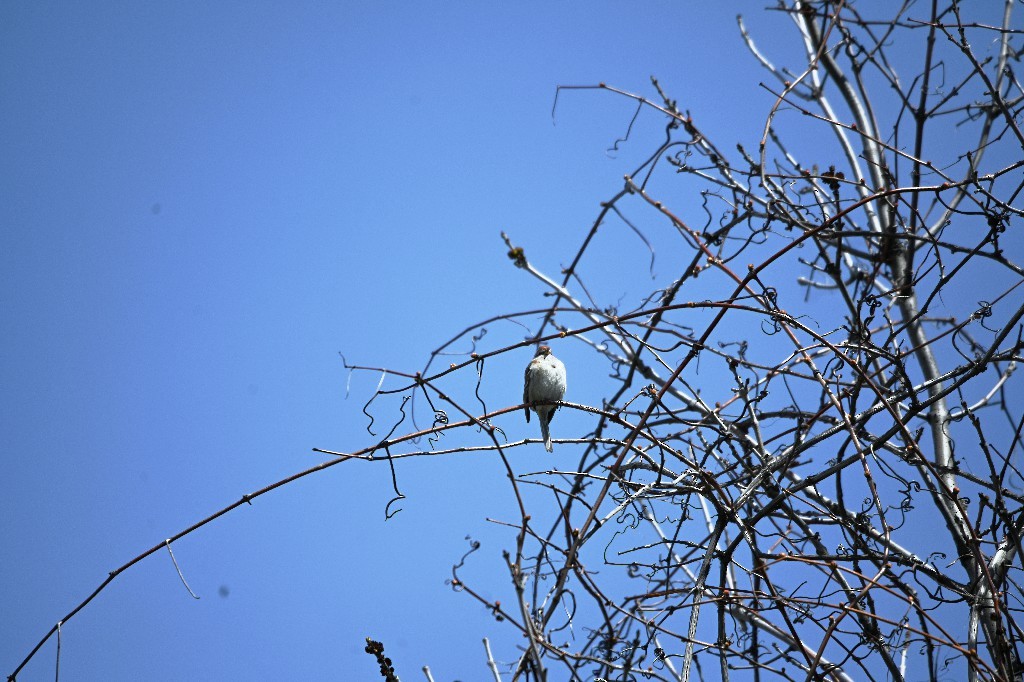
{"points": [[526, 391]]}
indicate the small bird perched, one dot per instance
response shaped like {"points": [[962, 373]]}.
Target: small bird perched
{"points": [[545, 380]]}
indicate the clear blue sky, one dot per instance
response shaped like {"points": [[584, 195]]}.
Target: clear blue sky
{"points": [[202, 204]]}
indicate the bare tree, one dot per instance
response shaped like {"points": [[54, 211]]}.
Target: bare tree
{"points": [[816, 469], [806, 463]]}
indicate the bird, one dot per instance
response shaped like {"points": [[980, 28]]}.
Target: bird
{"points": [[544, 381]]}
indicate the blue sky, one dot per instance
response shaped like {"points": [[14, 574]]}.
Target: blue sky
{"points": [[203, 204]]}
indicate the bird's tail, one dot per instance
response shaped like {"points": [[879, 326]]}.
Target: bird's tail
{"points": [[545, 434]]}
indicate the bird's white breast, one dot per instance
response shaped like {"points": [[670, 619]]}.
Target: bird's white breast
{"points": [[547, 382]]}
